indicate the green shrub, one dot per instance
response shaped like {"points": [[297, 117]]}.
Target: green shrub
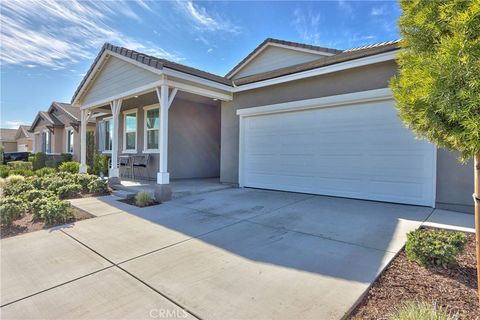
{"points": [[44, 172], [84, 179], [20, 165], [432, 247], [33, 194], [13, 178], [100, 164], [17, 188], [98, 187], [39, 160], [51, 164], [11, 208], [65, 157], [421, 311], [69, 191], [22, 172], [37, 205], [72, 167], [2, 151], [56, 211], [143, 198], [4, 171]]}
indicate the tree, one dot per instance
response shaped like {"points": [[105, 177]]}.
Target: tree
{"points": [[437, 90]]}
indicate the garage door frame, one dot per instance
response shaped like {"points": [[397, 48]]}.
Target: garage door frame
{"points": [[376, 95]]}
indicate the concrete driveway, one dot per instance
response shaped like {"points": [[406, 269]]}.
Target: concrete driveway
{"points": [[230, 254]]}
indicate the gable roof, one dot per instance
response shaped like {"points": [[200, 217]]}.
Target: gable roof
{"points": [[67, 108], [22, 129], [7, 135], [48, 117], [344, 56], [150, 61], [290, 44]]}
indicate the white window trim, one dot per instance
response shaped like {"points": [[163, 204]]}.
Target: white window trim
{"points": [[107, 151], [67, 129], [145, 109], [125, 113], [51, 145]]}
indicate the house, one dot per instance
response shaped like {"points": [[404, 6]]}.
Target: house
{"points": [[16, 140], [56, 131], [289, 116]]}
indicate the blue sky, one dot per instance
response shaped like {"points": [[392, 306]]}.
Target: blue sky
{"points": [[47, 46]]}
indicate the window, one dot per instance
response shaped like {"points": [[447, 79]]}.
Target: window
{"points": [[47, 141], [69, 140], [130, 131], [152, 125], [108, 127]]}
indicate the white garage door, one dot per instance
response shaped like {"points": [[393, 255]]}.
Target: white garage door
{"points": [[357, 151]]}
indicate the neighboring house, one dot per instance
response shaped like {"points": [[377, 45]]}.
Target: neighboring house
{"points": [[56, 131], [16, 140], [7, 140], [290, 117]]}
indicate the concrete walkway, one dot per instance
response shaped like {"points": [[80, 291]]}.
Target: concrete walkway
{"points": [[229, 254]]}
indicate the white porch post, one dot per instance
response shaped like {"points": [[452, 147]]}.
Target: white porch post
{"points": [[84, 117], [113, 173]]}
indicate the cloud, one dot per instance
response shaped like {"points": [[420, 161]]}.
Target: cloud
{"points": [[210, 50], [307, 25], [56, 34], [378, 11], [205, 21], [346, 7], [13, 124]]}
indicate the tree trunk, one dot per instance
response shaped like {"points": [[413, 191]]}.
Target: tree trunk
{"points": [[476, 197]]}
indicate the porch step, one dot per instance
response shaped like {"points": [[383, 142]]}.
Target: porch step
{"points": [[123, 194]]}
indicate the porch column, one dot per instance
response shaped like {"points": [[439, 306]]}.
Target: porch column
{"points": [[113, 172], [163, 191], [84, 117]]}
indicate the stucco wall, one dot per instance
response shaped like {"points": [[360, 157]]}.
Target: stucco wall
{"points": [[453, 190], [194, 140], [9, 146]]}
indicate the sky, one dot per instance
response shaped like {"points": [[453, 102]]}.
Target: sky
{"points": [[47, 46]]}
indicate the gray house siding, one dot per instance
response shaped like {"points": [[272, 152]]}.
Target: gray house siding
{"points": [[452, 189], [194, 141]]}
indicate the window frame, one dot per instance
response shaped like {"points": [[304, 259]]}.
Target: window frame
{"points": [[67, 130], [111, 147], [145, 142], [44, 143], [125, 114]]}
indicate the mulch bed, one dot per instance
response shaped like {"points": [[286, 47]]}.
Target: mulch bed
{"points": [[454, 288], [28, 224], [131, 201]]}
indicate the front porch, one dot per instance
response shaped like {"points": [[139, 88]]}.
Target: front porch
{"points": [[180, 187]]}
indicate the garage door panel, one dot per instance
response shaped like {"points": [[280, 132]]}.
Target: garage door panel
{"points": [[360, 151]]}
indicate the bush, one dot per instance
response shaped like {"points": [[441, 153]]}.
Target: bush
{"points": [[84, 179], [22, 172], [66, 157], [51, 164], [143, 199], [11, 208], [39, 160], [44, 172], [72, 167], [100, 164], [4, 171], [98, 187], [69, 191], [17, 188], [421, 311], [33, 194], [37, 205], [13, 178], [56, 211], [432, 247], [20, 165]]}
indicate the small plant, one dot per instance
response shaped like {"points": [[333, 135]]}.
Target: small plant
{"points": [[20, 165], [71, 166], [143, 199], [65, 157], [434, 248], [12, 179], [84, 179], [33, 194], [17, 188], [44, 172], [39, 160], [22, 172], [56, 211], [51, 164], [11, 208], [98, 187], [100, 164], [422, 311], [69, 191], [4, 171], [37, 205]]}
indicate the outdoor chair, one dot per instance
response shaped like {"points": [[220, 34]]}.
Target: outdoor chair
{"points": [[125, 162], [140, 162]]}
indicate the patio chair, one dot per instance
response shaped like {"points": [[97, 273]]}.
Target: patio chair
{"points": [[125, 162], [140, 162]]}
